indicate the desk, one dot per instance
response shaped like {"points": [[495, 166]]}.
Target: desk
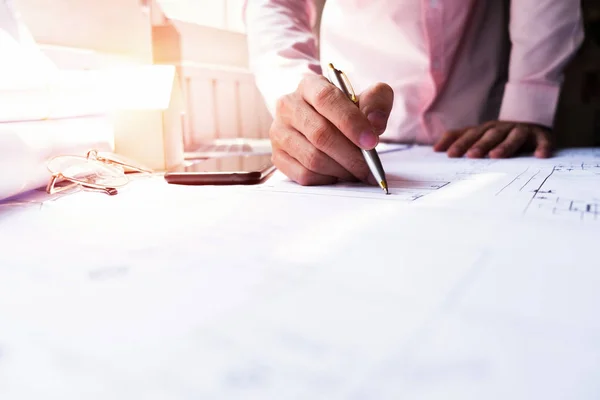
{"points": [[449, 291]]}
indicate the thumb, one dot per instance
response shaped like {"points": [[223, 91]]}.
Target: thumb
{"points": [[376, 103]]}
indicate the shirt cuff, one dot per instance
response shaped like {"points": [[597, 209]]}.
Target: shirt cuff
{"points": [[276, 82], [531, 103]]}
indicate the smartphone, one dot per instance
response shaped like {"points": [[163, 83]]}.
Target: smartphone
{"points": [[231, 170]]}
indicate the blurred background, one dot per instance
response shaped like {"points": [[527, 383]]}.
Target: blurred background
{"points": [[205, 40], [151, 80]]}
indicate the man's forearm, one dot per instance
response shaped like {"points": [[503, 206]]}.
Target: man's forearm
{"points": [[545, 35]]}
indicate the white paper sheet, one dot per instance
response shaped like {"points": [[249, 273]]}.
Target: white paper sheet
{"points": [[284, 292], [566, 187]]}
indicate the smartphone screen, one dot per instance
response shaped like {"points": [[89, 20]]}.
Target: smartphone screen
{"points": [[239, 169]]}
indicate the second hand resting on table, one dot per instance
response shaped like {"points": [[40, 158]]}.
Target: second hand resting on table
{"points": [[317, 134]]}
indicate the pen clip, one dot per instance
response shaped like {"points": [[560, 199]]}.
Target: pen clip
{"points": [[343, 83]]}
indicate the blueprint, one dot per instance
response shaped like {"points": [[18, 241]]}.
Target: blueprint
{"points": [[566, 187], [474, 279]]}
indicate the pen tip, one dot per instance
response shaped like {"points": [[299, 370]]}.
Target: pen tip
{"points": [[384, 186]]}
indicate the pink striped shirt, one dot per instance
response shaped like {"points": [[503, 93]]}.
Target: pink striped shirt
{"points": [[450, 62]]}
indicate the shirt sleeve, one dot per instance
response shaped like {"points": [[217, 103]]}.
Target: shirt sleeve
{"points": [[282, 45], [545, 35]]}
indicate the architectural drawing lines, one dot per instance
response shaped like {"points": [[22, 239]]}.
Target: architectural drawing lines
{"points": [[513, 181], [529, 180], [565, 190], [538, 189], [400, 189], [355, 195]]}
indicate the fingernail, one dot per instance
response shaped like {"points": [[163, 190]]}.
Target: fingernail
{"points": [[542, 154], [378, 120], [475, 153], [496, 153], [368, 140]]}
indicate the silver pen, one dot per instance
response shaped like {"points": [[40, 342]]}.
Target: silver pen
{"points": [[339, 79]]}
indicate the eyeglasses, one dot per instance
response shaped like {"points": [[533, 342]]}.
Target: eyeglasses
{"points": [[102, 172]]}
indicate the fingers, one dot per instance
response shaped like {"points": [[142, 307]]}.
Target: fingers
{"points": [[326, 138], [334, 106], [297, 172], [376, 103], [488, 141], [465, 141], [293, 142], [318, 132], [544, 145], [447, 139], [498, 139], [513, 142]]}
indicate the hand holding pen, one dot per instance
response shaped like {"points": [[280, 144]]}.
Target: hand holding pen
{"points": [[319, 133], [339, 79]]}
